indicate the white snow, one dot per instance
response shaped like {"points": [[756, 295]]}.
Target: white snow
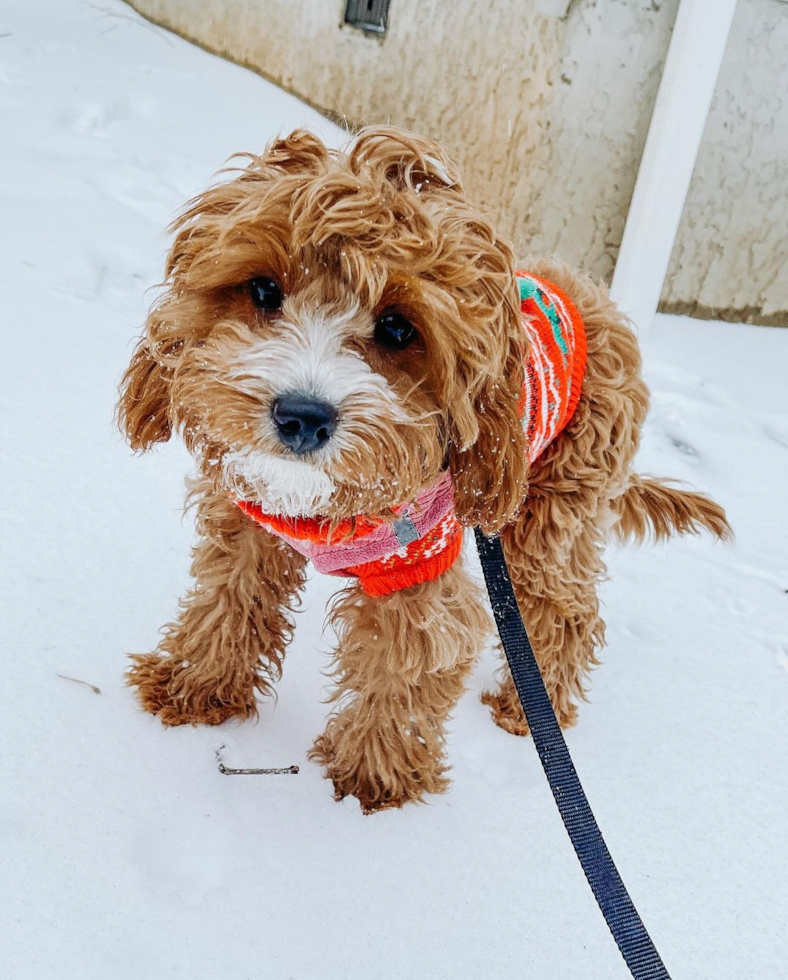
{"points": [[125, 853]]}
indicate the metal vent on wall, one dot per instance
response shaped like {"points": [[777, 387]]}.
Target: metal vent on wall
{"points": [[369, 15]]}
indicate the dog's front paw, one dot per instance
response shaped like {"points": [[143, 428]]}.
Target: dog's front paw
{"points": [[378, 782], [165, 689]]}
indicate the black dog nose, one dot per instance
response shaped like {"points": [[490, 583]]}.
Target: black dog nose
{"points": [[304, 423]]}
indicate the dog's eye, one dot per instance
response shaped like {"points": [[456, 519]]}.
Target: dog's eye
{"points": [[266, 294], [395, 331]]}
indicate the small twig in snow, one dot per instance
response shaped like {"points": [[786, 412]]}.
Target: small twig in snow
{"points": [[226, 771], [76, 680]]}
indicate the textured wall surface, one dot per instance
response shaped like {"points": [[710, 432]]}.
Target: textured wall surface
{"points": [[548, 117], [731, 254], [610, 63]]}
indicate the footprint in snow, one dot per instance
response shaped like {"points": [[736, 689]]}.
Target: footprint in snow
{"points": [[683, 447], [94, 118]]}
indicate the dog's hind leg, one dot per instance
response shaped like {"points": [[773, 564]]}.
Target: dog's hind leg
{"points": [[229, 639], [401, 666], [554, 553]]}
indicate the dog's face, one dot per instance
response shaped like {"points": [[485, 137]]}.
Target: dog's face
{"points": [[335, 330]]}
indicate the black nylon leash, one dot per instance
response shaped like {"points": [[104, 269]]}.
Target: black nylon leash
{"points": [[620, 914]]}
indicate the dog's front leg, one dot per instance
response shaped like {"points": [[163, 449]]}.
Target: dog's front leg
{"points": [[401, 666], [229, 639]]}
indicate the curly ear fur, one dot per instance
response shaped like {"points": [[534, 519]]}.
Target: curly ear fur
{"points": [[490, 472], [143, 410], [487, 454]]}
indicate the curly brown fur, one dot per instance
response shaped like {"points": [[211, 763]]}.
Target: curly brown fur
{"points": [[229, 639], [579, 488], [386, 225], [651, 506], [348, 236], [400, 668]]}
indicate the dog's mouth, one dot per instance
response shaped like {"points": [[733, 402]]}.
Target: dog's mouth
{"points": [[290, 487]]}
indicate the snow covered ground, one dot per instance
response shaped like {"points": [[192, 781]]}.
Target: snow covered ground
{"points": [[125, 854]]}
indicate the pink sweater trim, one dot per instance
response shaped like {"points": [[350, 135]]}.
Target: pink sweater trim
{"points": [[430, 506]]}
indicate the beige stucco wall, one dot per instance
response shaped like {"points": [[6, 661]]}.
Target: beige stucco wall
{"points": [[731, 252], [548, 117]]}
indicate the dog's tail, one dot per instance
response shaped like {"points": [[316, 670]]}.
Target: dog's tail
{"points": [[652, 506]]}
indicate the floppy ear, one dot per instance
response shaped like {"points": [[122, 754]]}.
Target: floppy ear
{"points": [[487, 451], [143, 411]]}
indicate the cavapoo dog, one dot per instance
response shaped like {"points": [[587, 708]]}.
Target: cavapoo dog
{"points": [[361, 372]]}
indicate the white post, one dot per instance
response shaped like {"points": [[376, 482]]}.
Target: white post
{"points": [[685, 92]]}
